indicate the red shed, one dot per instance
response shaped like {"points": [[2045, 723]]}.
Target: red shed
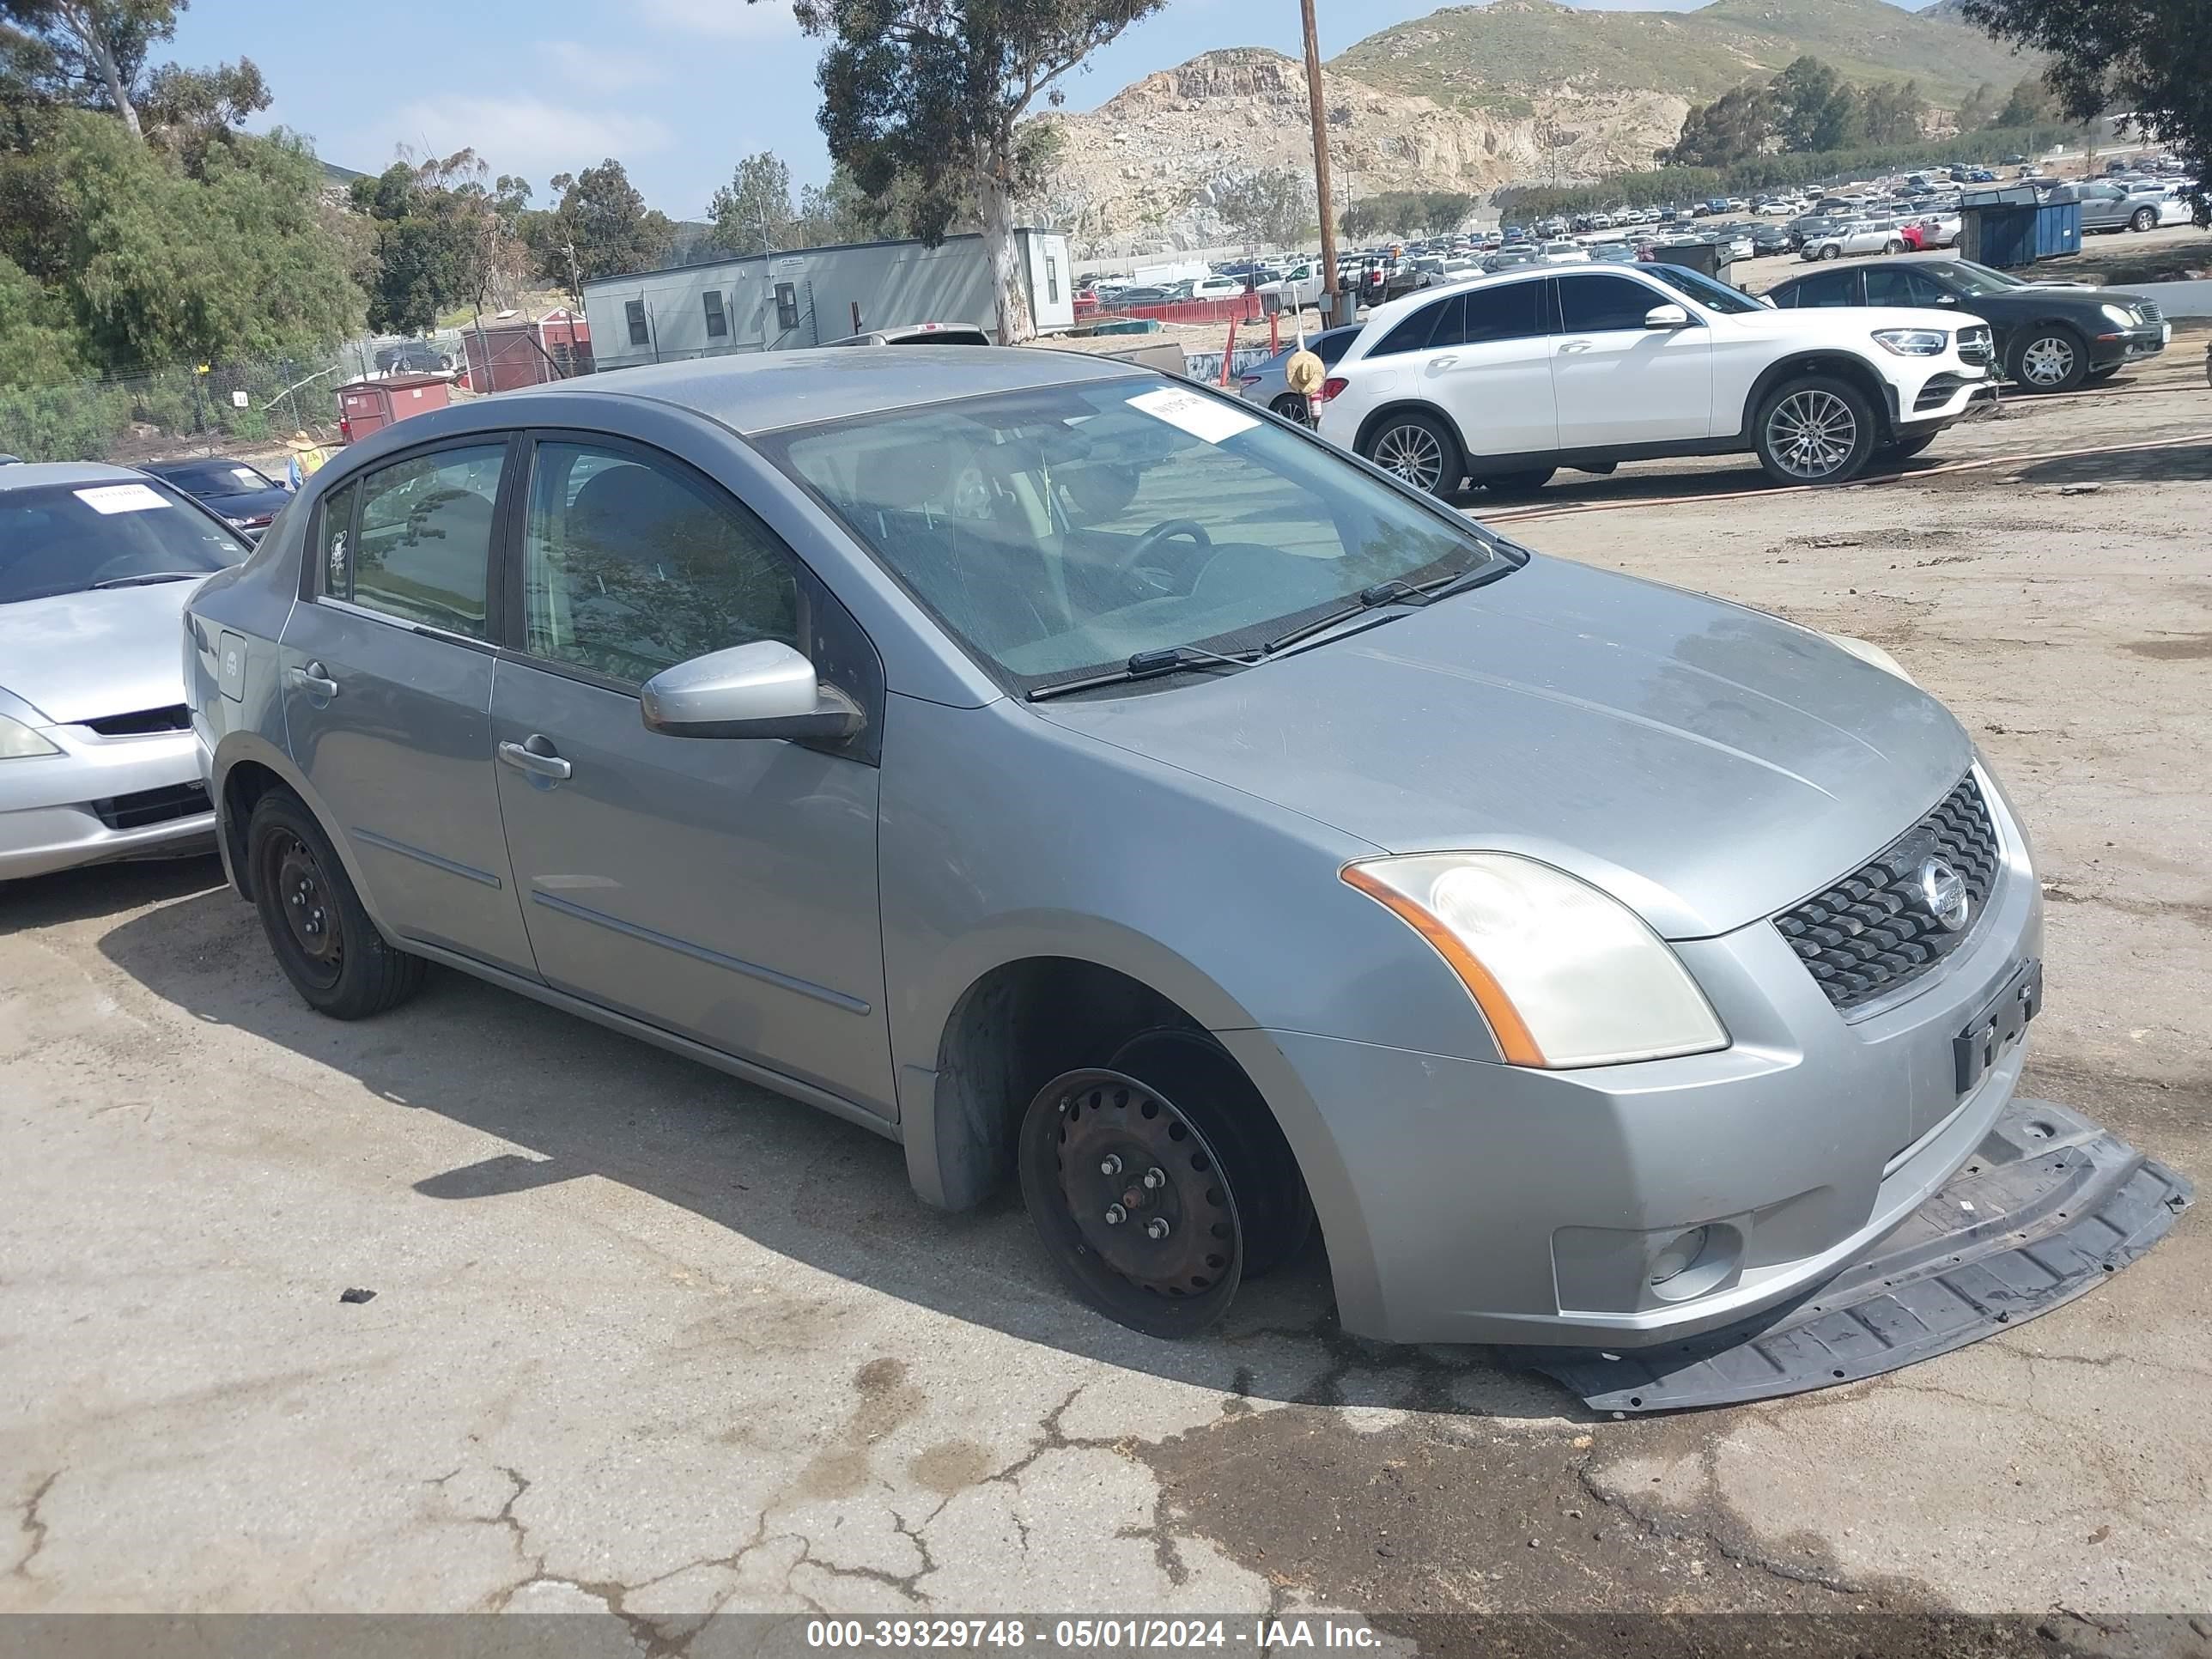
{"points": [[513, 352], [365, 405]]}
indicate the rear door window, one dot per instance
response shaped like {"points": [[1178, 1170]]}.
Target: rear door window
{"points": [[1596, 305], [1835, 287]]}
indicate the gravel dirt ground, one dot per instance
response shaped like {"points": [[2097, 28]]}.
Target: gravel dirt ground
{"points": [[646, 1341]]}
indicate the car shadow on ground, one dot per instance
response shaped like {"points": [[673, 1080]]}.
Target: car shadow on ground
{"points": [[2182, 464], [579, 1100], [102, 889]]}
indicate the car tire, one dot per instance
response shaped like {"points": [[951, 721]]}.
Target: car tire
{"points": [[1418, 449], [2143, 219], [1892, 247], [1831, 252], [1507, 486], [324, 940], [2051, 358], [1229, 1204], [1904, 449], [1816, 431], [1291, 407]]}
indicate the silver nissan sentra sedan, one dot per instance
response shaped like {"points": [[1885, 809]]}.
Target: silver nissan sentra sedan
{"points": [[1078, 777]]}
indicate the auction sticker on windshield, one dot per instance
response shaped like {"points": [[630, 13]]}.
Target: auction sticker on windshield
{"points": [[119, 498], [1203, 418]]}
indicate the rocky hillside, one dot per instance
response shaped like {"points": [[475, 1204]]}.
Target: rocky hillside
{"points": [[1136, 169], [1513, 52]]}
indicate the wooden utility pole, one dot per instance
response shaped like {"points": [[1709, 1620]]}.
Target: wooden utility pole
{"points": [[1321, 165]]}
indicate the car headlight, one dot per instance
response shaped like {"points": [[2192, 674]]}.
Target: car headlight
{"points": [[2122, 315], [1566, 975], [1912, 341], [19, 742]]}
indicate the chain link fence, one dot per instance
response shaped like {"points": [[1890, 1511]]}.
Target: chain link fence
{"points": [[232, 408]]}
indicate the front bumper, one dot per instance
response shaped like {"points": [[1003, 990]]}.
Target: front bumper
{"points": [[100, 799], [1939, 396], [2130, 345], [1468, 1201]]}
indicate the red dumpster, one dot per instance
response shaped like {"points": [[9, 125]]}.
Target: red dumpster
{"points": [[365, 405]]}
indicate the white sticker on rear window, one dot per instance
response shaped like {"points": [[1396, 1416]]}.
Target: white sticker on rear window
{"points": [[1202, 417], [247, 477], [120, 498]]}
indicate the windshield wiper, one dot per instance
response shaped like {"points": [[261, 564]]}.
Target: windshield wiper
{"points": [[150, 579], [1396, 591], [1147, 664]]}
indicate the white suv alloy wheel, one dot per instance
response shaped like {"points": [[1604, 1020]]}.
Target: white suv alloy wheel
{"points": [[1413, 454], [1812, 434]]}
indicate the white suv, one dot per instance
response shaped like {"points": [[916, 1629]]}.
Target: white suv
{"points": [[1508, 378]]}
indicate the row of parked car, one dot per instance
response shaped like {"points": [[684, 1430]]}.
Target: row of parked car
{"points": [[791, 712], [1503, 379]]}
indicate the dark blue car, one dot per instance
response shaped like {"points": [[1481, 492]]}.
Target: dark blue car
{"points": [[243, 497]]}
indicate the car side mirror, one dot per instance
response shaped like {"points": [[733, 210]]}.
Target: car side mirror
{"points": [[1947, 299], [764, 689], [1666, 316]]}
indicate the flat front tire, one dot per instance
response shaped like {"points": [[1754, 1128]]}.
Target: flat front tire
{"points": [[323, 938], [1159, 1182], [1418, 449], [1816, 430]]}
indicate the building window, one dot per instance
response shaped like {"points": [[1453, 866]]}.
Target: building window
{"points": [[717, 324], [787, 306], [635, 311], [1052, 279]]}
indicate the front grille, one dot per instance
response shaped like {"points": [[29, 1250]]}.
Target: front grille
{"points": [[1939, 391], [1975, 347], [2148, 310], [178, 801], [1870, 934], [175, 718]]}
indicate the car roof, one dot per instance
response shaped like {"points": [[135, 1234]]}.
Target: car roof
{"points": [[761, 392], [31, 475]]}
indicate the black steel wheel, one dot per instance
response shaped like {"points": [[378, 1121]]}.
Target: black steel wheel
{"points": [[321, 933], [1131, 1203]]}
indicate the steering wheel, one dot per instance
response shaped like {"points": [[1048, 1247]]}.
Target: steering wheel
{"points": [[1158, 537]]}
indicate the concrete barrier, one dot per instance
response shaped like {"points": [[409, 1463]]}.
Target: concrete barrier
{"points": [[2180, 302]]}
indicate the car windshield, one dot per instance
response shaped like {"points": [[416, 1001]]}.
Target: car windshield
{"points": [[1062, 531], [209, 479], [68, 539], [1707, 291], [1967, 277]]}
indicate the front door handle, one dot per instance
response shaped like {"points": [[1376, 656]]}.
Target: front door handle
{"points": [[1574, 346], [314, 679], [535, 756], [1442, 362]]}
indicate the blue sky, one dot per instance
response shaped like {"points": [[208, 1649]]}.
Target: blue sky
{"points": [[676, 89]]}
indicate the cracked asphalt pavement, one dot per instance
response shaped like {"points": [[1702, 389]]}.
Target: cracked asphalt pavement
{"points": [[647, 1341]]}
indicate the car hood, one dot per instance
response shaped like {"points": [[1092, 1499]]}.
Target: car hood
{"points": [[81, 656], [1705, 763]]}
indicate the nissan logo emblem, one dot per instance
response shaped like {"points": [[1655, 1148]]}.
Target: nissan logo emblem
{"points": [[1943, 891]]}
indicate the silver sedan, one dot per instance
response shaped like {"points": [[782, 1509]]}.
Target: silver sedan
{"points": [[97, 760], [1082, 780]]}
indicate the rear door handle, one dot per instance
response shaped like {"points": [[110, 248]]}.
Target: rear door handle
{"points": [[540, 761], [314, 679]]}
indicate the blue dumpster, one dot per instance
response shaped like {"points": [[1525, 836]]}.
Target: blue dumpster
{"points": [[2013, 226]]}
